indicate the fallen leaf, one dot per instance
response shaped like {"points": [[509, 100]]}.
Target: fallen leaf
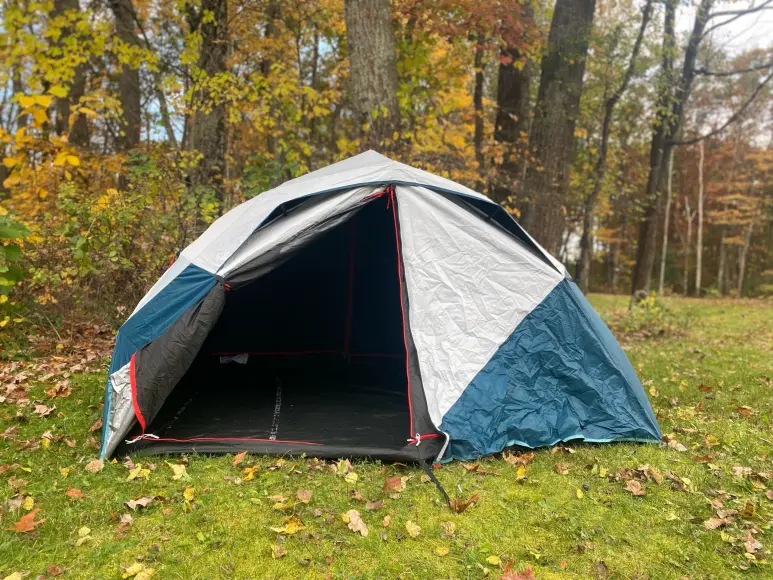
{"points": [[71, 443], [745, 411], [387, 521], [95, 466], [27, 523], [64, 471], [769, 494], [634, 487], [518, 458], [354, 522], [460, 506], [43, 410], [600, 569], [139, 471], [278, 551], [578, 492], [15, 576], [393, 484], [441, 551], [494, 560], [476, 468], [142, 502], [714, 523], [705, 388], [561, 469], [674, 444], [447, 530], [249, 472], [238, 458], [84, 535], [74, 494], [179, 472], [138, 571], [413, 529], [189, 493], [351, 477], [28, 503], [751, 544], [526, 574], [303, 495], [374, 505], [748, 510], [54, 570], [97, 425], [291, 526], [520, 473]]}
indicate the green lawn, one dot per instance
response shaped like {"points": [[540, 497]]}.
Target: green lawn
{"points": [[708, 382]]}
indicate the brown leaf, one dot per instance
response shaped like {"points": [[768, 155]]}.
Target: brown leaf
{"points": [[518, 458], [374, 505], [476, 468], [634, 487], [460, 506], [354, 522], [44, 411], [70, 443], [714, 523], [674, 444], [705, 388], [703, 458], [97, 425], [133, 504], [303, 495], [27, 522], [745, 411], [526, 574], [748, 510], [74, 494], [769, 494], [561, 469], [751, 544], [238, 458], [95, 466], [393, 484], [54, 570]]}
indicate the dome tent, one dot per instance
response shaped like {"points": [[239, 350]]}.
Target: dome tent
{"points": [[367, 309]]}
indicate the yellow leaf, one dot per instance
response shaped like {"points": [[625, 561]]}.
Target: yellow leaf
{"points": [[188, 493], [28, 503], [494, 560], [59, 91], [10, 161], [579, 493], [73, 160], [11, 181], [441, 551], [4, 321], [64, 471], [40, 116], [3, 299], [43, 100], [413, 529], [351, 477], [520, 473], [26, 101], [291, 526]]}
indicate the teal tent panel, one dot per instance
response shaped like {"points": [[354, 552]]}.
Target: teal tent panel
{"points": [[150, 322], [561, 375]]}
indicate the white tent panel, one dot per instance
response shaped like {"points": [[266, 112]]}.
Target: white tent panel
{"points": [[288, 229], [121, 417], [221, 240], [469, 285]]}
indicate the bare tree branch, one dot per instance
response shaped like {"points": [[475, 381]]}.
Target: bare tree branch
{"points": [[732, 118], [735, 15], [729, 73]]}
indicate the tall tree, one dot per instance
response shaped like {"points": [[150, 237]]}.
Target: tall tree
{"points": [[79, 132], [552, 134], [207, 133], [129, 90], [699, 242], [586, 241], [373, 65]]}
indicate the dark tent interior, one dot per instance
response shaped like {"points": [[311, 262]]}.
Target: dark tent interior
{"points": [[323, 335]]}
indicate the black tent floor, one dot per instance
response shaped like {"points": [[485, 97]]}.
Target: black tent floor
{"points": [[292, 410]]}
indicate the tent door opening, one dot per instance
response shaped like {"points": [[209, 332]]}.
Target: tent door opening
{"points": [[311, 353]]}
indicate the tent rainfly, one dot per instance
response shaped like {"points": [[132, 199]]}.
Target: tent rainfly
{"points": [[368, 309]]}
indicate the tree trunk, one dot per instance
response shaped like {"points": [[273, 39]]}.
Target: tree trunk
{"points": [[586, 241], [722, 268], [208, 132], [666, 218], [79, 133], [742, 258], [129, 83], [373, 76], [690, 215], [477, 99], [699, 247], [552, 135], [668, 122], [511, 126]]}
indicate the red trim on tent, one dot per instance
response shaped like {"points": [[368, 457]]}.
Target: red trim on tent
{"points": [[133, 382], [193, 439], [350, 297], [391, 200]]}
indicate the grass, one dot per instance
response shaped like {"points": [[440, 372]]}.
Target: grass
{"points": [[540, 521]]}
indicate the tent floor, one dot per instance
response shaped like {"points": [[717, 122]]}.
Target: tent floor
{"points": [[219, 406]]}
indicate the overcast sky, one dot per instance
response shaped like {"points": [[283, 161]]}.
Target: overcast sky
{"points": [[750, 31]]}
